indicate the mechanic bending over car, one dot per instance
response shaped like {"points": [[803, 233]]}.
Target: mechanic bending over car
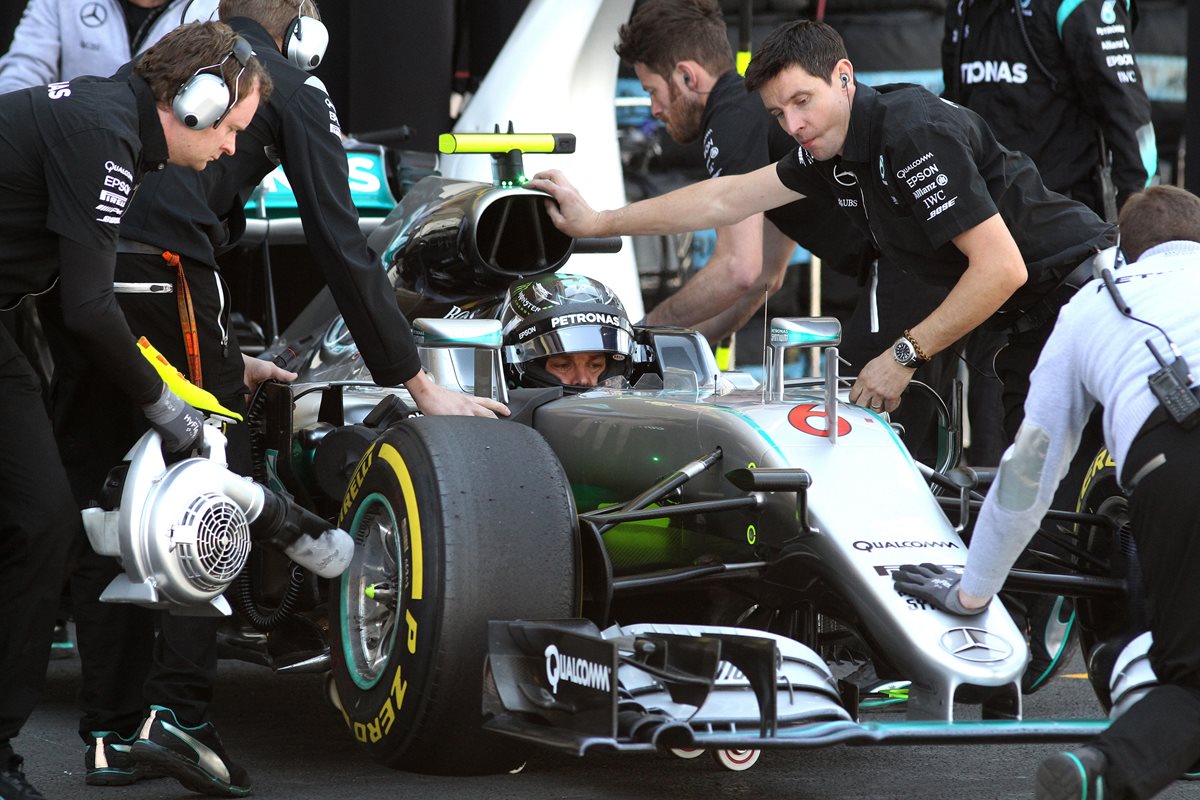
{"points": [[923, 177], [169, 238], [1157, 455], [927, 181], [565, 330], [71, 156], [681, 53]]}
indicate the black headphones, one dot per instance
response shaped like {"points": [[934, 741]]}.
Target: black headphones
{"points": [[305, 40], [205, 99], [845, 80]]}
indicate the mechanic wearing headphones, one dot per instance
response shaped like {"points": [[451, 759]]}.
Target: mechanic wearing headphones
{"points": [[62, 39], [1157, 455], [71, 155], [923, 177], [169, 238], [681, 53]]}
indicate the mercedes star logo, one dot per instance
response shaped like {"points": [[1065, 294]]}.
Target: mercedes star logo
{"points": [[975, 644], [844, 176], [93, 15]]}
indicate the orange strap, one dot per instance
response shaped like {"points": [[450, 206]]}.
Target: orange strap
{"points": [[187, 318]]}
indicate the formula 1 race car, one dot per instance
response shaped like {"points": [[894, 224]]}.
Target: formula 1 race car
{"points": [[686, 561]]}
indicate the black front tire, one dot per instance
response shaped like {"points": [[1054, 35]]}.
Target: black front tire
{"points": [[457, 521], [1105, 624]]}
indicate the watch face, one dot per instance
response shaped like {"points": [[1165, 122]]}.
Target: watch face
{"points": [[903, 352]]}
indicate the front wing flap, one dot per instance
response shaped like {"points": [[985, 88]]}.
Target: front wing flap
{"points": [[566, 685]]}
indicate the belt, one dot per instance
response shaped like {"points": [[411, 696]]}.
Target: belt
{"points": [[140, 248], [1046, 309]]}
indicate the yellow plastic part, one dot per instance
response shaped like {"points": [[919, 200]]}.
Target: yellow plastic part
{"points": [[498, 143], [743, 61], [175, 380]]}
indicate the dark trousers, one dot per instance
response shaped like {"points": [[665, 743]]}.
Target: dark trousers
{"points": [[901, 302], [1158, 738], [132, 657], [38, 521]]}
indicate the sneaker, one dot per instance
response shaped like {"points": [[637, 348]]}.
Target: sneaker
{"points": [[1051, 640], [110, 763], [194, 756], [1071, 776], [13, 785]]}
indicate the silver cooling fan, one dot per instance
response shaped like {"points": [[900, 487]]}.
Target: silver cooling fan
{"points": [[183, 532]]}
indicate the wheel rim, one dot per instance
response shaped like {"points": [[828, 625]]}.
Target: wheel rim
{"points": [[371, 594]]}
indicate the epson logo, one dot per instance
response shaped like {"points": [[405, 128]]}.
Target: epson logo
{"points": [[589, 317], [927, 172], [589, 674], [867, 547], [993, 72]]}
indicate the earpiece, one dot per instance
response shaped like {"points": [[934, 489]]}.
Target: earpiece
{"points": [[205, 99], [199, 11], [687, 79], [845, 80], [305, 40]]}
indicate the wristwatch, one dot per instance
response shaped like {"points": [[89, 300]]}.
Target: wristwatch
{"points": [[908, 353]]}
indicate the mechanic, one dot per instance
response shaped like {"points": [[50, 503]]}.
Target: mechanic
{"points": [[1057, 81], [71, 156], [923, 177], [1157, 459], [680, 51], [63, 39], [565, 330], [170, 236]]}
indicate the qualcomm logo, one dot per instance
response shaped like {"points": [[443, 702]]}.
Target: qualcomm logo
{"points": [[575, 670], [975, 644]]}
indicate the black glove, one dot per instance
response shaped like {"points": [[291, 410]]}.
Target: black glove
{"points": [[935, 586], [179, 425]]}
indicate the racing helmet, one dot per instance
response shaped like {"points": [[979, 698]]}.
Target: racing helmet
{"points": [[562, 314]]}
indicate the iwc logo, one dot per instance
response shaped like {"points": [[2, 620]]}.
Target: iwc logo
{"points": [[93, 15], [975, 644]]}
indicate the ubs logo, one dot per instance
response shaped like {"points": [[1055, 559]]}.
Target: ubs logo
{"points": [[93, 15]]}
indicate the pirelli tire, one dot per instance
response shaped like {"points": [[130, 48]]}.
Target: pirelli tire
{"points": [[457, 521], [1106, 623]]}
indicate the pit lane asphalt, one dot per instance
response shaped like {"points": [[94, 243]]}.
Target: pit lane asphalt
{"points": [[295, 746]]}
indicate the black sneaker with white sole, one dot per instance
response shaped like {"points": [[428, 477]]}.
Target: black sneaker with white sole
{"points": [[109, 761], [13, 783], [194, 755]]}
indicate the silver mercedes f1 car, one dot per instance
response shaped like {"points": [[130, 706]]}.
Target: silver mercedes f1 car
{"points": [[685, 561]]}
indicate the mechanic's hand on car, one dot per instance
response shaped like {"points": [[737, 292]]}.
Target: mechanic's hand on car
{"points": [[179, 425], [569, 212], [432, 400], [880, 383], [258, 370], [935, 586]]}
